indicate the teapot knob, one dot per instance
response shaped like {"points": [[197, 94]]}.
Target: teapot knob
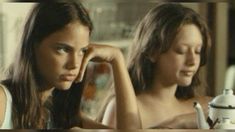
{"points": [[228, 92]]}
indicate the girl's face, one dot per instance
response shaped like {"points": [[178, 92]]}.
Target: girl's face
{"points": [[59, 56], [179, 64]]}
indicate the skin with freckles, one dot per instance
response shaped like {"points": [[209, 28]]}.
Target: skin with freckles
{"points": [[175, 67], [178, 65], [168, 50]]}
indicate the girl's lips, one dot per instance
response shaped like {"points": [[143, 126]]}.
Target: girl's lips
{"points": [[68, 77], [188, 73]]}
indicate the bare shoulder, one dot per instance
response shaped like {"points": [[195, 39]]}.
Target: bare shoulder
{"points": [[3, 99], [88, 123]]}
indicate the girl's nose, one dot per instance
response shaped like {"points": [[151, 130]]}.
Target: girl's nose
{"points": [[192, 58], [73, 61]]}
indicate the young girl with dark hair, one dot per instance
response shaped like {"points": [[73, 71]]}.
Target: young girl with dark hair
{"points": [[44, 86]]}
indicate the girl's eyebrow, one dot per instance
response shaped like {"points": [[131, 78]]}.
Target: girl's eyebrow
{"points": [[67, 46], [185, 44]]}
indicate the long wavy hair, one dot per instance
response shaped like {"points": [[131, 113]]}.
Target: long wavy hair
{"points": [[23, 80], [155, 34]]}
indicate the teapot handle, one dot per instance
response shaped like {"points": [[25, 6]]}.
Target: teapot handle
{"points": [[211, 123]]}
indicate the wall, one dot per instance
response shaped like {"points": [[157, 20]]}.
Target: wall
{"points": [[13, 17], [221, 42]]}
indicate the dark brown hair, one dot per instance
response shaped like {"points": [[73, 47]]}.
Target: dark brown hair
{"points": [[24, 81], [155, 34]]}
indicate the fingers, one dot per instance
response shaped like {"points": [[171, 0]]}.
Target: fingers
{"points": [[97, 53]]}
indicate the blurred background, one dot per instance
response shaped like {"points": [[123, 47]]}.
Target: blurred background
{"points": [[114, 23]]}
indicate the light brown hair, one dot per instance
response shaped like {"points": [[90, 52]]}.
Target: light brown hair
{"points": [[155, 34]]}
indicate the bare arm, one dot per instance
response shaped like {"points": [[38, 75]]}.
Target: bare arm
{"points": [[87, 123], [2, 105], [127, 110], [126, 104]]}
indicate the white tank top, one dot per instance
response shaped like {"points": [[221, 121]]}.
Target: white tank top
{"points": [[7, 122]]}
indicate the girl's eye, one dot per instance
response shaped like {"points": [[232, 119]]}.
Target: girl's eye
{"points": [[198, 51], [82, 51], [62, 50], [180, 51]]}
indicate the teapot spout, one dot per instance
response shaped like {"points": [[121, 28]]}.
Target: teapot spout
{"points": [[201, 121]]}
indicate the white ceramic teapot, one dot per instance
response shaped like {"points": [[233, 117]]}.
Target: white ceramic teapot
{"points": [[221, 109]]}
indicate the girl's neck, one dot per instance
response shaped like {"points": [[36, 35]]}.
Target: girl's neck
{"points": [[45, 94], [161, 92]]}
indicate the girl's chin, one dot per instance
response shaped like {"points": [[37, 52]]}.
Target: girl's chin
{"points": [[64, 86], [185, 83]]}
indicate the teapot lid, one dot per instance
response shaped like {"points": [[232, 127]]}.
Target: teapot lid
{"points": [[224, 101]]}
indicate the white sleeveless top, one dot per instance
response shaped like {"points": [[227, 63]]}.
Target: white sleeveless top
{"points": [[7, 122]]}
